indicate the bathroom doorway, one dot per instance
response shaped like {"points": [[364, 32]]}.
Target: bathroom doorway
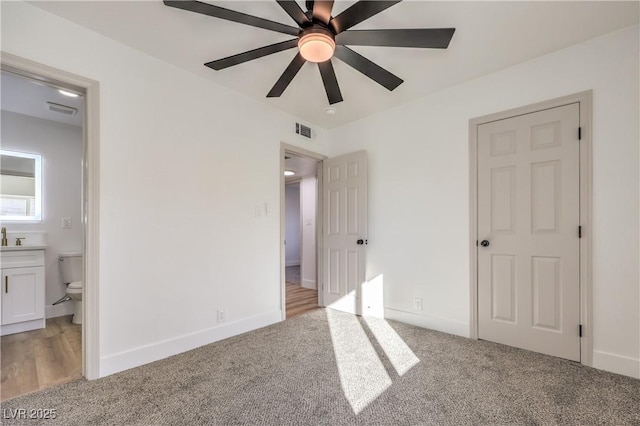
{"points": [[51, 115], [300, 207]]}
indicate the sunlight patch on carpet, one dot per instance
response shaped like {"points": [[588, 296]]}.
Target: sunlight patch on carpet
{"points": [[401, 356], [362, 376]]}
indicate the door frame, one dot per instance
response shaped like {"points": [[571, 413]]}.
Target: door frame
{"points": [[286, 148], [90, 195], [584, 99]]}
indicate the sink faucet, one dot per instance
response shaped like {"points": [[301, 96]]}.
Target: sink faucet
{"points": [[5, 242]]}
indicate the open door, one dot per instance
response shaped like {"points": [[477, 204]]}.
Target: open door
{"points": [[344, 216]]}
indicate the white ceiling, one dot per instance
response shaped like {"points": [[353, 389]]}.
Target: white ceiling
{"points": [[302, 166], [489, 36], [29, 97]]}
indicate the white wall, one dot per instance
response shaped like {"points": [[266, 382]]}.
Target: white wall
{"points": [[61, 148], [181, 173], [292, 224], [419, 189], [308, 198]]}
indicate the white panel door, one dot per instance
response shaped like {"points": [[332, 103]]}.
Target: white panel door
{"points": [[528, 214], [344, 230], [22, 294]]}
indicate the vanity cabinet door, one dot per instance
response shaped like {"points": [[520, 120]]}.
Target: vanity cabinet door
{"points": [[22, 294]]}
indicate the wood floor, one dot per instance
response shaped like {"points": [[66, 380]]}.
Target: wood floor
{"points": [[300, 300], [41, 358]]}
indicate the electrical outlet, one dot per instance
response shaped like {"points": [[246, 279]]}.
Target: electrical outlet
{"points": [[66, 223], [417, 304], [221, 315]]}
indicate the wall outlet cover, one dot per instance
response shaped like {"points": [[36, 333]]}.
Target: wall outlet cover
{"points": [[417, 304]]}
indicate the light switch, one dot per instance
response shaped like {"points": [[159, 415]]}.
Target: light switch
{"points": [[308, 222], [66, 223]]}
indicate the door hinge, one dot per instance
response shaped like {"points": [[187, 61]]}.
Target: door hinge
{"points": [[580, 330], [579, 133], [580, 231], [476, 243]]}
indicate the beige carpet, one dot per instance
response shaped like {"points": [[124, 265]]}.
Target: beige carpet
{"points": [[325, 367]]}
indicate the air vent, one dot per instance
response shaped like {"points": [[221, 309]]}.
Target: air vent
{"points": [[303, 130], [62, 109]]}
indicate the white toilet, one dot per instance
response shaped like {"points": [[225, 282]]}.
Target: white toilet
{"points": [[71, 273]]}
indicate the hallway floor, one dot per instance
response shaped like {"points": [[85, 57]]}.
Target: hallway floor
{"points": [[292, 274], [299, 299]]}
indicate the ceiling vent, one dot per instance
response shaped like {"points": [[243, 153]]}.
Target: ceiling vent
{"points": [[62, 109], [303, 130]]}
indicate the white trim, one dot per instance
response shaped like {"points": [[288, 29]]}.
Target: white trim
{"points": [[473, 229], [60, 310], [617, 364], [159, 350], [283, 276], [91, 195], [310, 284], [292, 263], [584, 99], [319, 234], [432, 323]]}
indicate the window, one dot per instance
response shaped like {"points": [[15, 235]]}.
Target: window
{"points": [[20, 186]]}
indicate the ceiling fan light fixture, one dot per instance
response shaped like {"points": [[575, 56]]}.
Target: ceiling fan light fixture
{"points": [[316, 46]]}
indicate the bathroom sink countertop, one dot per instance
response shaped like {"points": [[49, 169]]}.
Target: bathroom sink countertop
{"points": [[25, 247]]}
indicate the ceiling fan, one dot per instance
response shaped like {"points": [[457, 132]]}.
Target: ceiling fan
{"points": [[320, 36]]}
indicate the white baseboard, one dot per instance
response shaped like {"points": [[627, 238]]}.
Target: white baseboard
{"points": [[292, 263], [617, 364], [60, 310], [135, 357], [432, 323], [311, 284], [21, 327]]}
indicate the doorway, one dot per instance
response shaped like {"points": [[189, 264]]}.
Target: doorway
{"points": [[530, 171], [340, 231], [300, 232], [84, 222]]}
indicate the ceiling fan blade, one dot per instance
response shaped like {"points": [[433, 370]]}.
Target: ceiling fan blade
{"points": [[435, 38], [322, 10], [252, 54], [330, 82], [287, 76], [368, 68], [231, 15], [359, 12], [295, 11]]}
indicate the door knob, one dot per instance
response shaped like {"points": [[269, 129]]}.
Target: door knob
{"points": [[484, 243], [360, 242]]}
